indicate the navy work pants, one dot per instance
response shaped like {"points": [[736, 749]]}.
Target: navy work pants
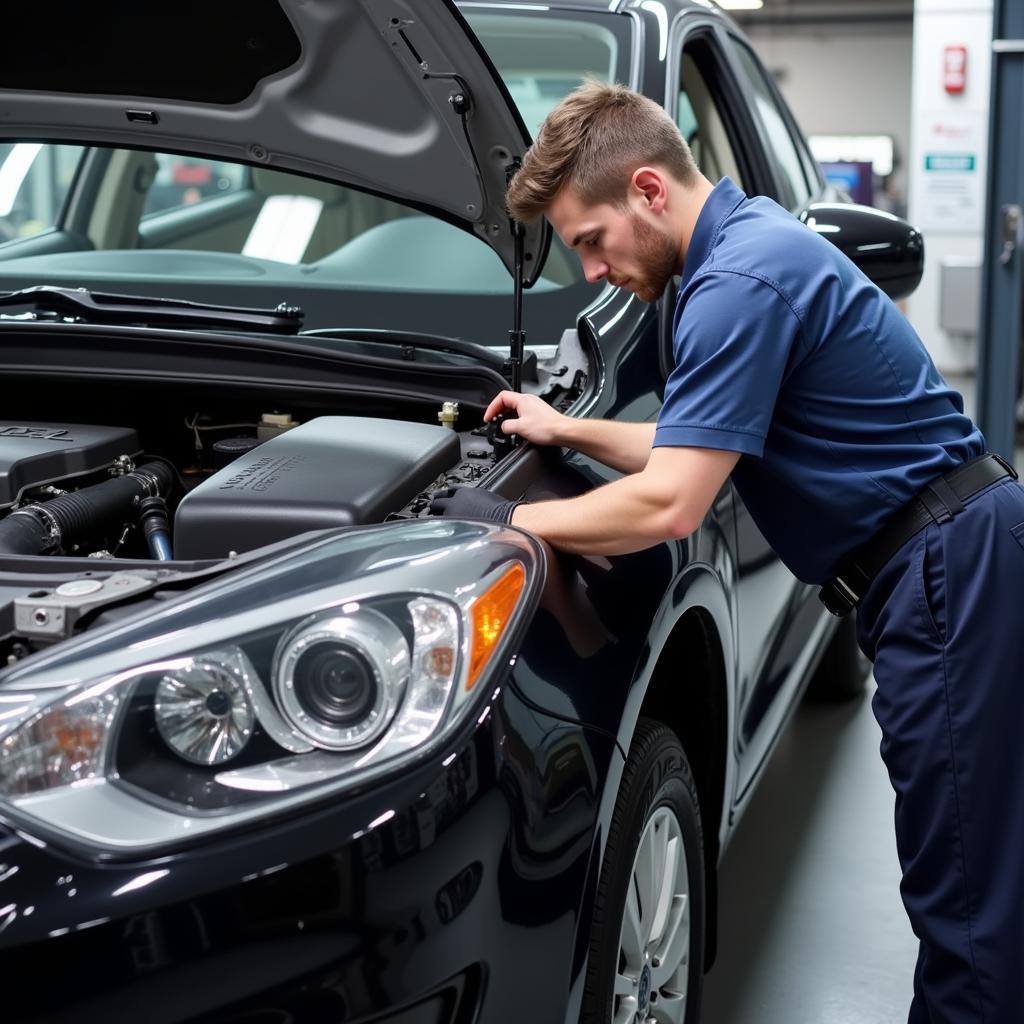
{"points": [[944, 624]]}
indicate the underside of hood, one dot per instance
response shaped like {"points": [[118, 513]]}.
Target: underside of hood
{"points": [[396, 97]]}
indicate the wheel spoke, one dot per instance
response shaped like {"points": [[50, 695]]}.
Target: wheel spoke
{"points": [[674, 949], [624, 985], [631, 939], [667, 889], [669, 1009], [646, 875], [626, 1012]]}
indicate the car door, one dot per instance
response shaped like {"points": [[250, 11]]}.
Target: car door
{"points": [[797, 183], [716, 112]]}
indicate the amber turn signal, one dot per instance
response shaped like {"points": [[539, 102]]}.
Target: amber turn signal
{"points": [[490, 614]]}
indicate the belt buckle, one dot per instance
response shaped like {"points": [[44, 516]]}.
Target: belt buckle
{"points": [[838, 597]]}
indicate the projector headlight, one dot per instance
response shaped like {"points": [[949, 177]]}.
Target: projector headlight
{"points": [[339, 680], [202, 711], [224, 707]]}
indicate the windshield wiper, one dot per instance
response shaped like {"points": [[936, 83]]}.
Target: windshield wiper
{"points": [[106, 308], [409, 341]]}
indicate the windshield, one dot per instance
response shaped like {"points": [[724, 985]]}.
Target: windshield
{"points": [[211, 231]]}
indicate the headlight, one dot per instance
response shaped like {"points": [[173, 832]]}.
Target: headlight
{"points": [[339, 680], [203, 712], [225, 707]]}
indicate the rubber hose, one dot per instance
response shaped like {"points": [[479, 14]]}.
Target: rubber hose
{"points": [[155, 527], [24, 533], [82, 513]]}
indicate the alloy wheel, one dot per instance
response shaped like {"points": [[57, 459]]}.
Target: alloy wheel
{"points": [[654, 941]]}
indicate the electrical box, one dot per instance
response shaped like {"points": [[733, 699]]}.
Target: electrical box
{"points": [[960, 295]]}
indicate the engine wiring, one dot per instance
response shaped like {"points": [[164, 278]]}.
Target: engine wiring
{"points": [[196, 429]]}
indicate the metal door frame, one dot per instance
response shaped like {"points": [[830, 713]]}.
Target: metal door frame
{"points": [[1002, 307]]}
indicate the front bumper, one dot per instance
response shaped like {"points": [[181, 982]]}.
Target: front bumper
{"points": [[456, 893]]}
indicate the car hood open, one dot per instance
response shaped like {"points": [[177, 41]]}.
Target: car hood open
{"points": [[396, 97]]}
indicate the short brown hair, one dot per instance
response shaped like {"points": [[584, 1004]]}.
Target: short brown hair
{"points": [[594, 140]]}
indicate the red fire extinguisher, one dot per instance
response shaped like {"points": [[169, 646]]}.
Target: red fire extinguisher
{"points": [[954, 68]]}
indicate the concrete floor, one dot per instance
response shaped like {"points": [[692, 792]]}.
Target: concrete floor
{"points": [[812, 930]]}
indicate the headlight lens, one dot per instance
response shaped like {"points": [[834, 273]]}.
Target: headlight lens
{"points": [[223, 707], [339, 679], [202, 710]]}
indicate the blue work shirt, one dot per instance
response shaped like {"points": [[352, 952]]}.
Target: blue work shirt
{"points": [[786, 353]]}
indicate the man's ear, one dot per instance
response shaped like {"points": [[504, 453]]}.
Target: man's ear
{"points": [[649, 185]]}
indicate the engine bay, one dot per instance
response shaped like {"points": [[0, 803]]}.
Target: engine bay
{"points": [[95, 518], [93, 491]]}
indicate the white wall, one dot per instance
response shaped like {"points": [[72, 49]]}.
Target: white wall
{"points": [[958, 124], [845, 80]]}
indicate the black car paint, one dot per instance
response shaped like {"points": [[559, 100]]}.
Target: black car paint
{"points": [[366, 920], [466, 893]]}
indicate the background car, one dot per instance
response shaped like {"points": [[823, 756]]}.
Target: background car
{"points": [[402, 770]]}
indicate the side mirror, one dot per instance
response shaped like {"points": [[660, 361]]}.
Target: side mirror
{"points": [[888, 250]]}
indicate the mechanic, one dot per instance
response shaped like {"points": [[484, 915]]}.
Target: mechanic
{"points": [[800, 379]]}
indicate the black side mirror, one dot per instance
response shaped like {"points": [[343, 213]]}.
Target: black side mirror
{"points": [[888, 250]]}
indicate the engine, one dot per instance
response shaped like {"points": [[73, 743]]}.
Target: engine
{"points": [[37, 455], [75, 489], [332, 471]]}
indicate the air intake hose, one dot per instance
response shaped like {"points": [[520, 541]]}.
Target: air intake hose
{"points": [[49, 526]]}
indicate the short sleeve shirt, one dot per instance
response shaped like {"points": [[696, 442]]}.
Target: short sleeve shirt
{"points": [[786, 353]]}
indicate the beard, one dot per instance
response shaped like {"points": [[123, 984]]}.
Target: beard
{"points": [[656, 256]]}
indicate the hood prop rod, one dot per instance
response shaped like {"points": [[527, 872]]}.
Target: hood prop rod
{"points": [[517, 336]]}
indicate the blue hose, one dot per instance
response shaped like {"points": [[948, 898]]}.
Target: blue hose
{"points": [[160, 545]]}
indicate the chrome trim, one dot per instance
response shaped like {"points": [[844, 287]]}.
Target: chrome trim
{"points": [[381, 644]]}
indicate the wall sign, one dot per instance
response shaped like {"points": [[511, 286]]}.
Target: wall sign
{"points": [[952, 186]]}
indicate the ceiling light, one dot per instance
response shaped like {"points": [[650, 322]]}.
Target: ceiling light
{"points": [[741, 5]]}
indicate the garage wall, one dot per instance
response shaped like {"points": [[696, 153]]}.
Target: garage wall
{"points": [[949, 205], [845, 79]]}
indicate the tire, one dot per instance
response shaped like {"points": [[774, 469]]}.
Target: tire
{"points": [[843, 671], [656, 804]]}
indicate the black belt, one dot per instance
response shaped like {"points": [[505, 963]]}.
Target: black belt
{"points": [[940, 500]]}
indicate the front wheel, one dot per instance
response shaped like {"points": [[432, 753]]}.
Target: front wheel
{"points": [[647, 946]]}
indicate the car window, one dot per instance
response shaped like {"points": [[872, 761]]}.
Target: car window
{"points": [[542, 59], [782, 148], [183, 181], [34, 183], [700, 121]]}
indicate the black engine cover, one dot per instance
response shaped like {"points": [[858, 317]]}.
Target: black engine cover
{"points": [[33, 454], [332, 471]]}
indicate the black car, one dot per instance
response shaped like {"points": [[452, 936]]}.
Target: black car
{"points": [[275, 745]]}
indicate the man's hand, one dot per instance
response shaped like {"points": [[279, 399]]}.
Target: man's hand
{"points": [[528, 416], [623, 446], [472, 503]]}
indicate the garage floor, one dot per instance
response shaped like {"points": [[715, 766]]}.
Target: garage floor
{"points": [[812, 928]]}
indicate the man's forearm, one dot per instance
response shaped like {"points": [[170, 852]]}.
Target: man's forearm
{"points": [[667, 499], [623, 516], [623, 446]]}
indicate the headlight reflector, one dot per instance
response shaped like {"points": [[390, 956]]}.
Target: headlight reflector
{"points": [[202, 711]]}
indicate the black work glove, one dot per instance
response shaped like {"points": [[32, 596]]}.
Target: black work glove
{"points": [[472, 503]]}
